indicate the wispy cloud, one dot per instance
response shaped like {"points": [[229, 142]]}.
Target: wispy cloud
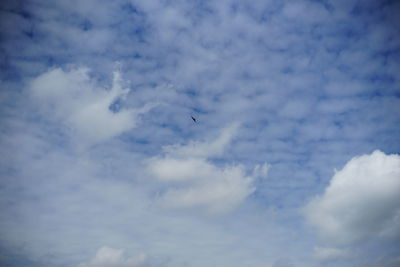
{"points": [[192, 180], [90, 114]]}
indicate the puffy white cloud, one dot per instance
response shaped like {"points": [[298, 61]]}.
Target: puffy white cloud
{"points": [[362, 201], [111, 257], [192, 181], [73, 98]]}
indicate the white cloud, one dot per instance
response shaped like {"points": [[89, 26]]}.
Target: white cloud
{"points": [[325, 254], [192, 181], [204, 149], [261, 171], [73, 99], [361, 202], [111, 257], [218, 190]]}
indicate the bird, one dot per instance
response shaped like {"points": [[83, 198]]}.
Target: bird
{"points": [[194, 119]]}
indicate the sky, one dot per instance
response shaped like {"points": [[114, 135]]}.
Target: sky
{"points": [[294, 160]]}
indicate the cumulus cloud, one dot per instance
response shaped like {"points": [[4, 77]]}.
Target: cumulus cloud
{"points": [[192, 181], [362, 201], [111, 257], [73, 99]]}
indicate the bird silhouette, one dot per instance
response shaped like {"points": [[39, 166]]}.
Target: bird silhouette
{"points": [[194, 119]]}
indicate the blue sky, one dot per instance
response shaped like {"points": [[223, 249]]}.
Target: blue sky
{"points": [[294, 160]]}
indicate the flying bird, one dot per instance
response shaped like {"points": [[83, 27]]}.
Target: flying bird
{"points": [[194, 119]]}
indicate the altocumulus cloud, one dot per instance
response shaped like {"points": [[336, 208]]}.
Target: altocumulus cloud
{"points": [[314, 83], [361, 203]]}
